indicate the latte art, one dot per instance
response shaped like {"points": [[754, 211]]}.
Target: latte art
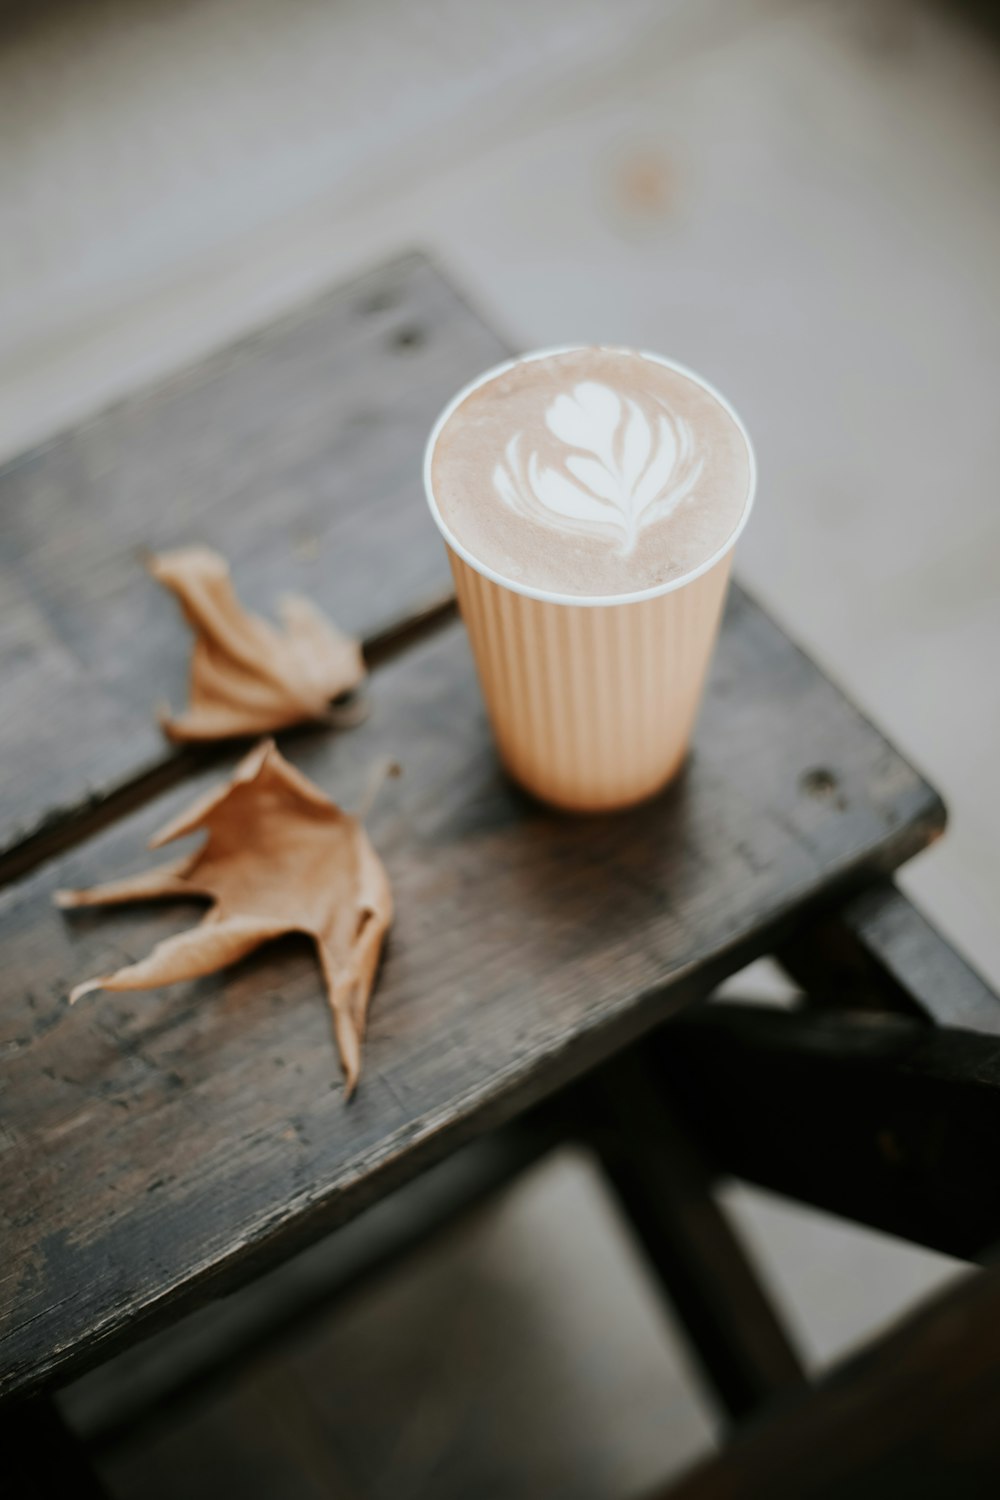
{"points": [[594, 472], [632, 464]]}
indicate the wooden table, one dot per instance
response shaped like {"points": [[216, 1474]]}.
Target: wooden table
{"points": [[158, 1149]]}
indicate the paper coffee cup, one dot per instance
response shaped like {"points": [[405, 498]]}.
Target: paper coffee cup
{"points": [[592, 701]]}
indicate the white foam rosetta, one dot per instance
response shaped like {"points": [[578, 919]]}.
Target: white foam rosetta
{"points": [[630, 464]]}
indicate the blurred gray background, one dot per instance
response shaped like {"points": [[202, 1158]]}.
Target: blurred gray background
{"points": [[800, 199]]}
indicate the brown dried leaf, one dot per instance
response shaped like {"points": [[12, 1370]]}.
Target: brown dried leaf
{"points": [[279, 857], [246, 675]]}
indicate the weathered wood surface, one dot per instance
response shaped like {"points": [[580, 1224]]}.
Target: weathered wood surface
{"points": [[157, 1147], [895, 1123], [150, 1384], [296, 452], [913, 1417]]}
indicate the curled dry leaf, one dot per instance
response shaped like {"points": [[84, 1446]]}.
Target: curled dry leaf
{"points": [[247, 676], [279, 857]]}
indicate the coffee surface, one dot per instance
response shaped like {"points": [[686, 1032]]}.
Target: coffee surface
{"points": [[591, 472]]}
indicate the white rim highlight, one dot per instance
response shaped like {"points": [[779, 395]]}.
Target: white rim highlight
{"points": [[586, 601]]}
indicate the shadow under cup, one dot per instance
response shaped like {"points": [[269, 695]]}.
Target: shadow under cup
{"points": [[592, 702]]}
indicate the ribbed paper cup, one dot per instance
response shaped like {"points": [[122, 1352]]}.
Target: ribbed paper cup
{"points": [[592, 700]]}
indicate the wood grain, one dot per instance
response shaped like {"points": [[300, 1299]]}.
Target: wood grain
{"points": [[295, 452], [147, 1387], [159, 1147]]}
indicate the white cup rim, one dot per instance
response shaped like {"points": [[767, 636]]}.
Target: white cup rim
{"points": [[585, 601]]}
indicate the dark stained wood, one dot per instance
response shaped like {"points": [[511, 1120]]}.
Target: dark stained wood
{"points": [[905, 947], [160, 1147], [914, 1417], [663, 1187], [295, 452], [882, 1119], [836, 972], [150, 1385], [878, 952]]}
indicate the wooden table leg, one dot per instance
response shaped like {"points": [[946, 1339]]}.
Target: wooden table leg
{"points": [[856, 1101], [40, 1459], [880, 953], [663, 1189], [912, 1417], [883, 1120]]}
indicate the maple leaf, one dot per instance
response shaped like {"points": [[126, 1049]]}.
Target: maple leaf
{"points": [[247, 676], [279, 857]]}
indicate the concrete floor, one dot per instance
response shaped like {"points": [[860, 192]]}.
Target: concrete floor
{"points": [[799, 199]]}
